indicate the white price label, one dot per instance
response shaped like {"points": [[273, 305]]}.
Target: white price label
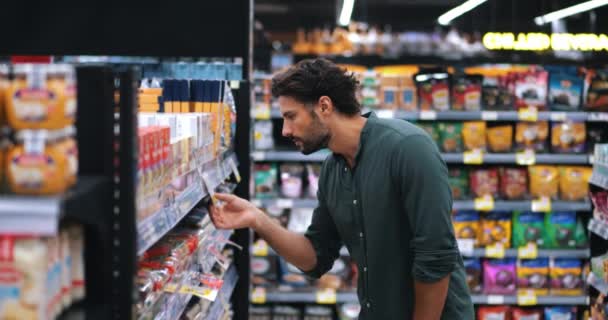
{"points": [[258, 295], [466, 246], [428, 115], [258, 155], [530, 251], [489, 115], [235, 84], [558, 116], [473, 157], [496, 251], [387, 114], [528, 114], [485, 203], [285, 203], [492, 299]]}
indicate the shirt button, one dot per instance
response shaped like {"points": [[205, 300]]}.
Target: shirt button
{"points": [[345, 169], [364, 269], [361, 234], [355, 202], [369, 305]]}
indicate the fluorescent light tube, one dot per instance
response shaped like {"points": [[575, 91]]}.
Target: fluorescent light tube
{"points": [[566, 12], [346, 12], [456, 12]]}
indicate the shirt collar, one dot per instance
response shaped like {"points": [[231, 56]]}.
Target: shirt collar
{"points": [[371, 119]]}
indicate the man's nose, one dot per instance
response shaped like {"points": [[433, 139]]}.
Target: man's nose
{"points": [[286, 131]]}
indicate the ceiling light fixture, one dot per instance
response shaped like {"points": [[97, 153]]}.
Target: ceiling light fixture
{"points": [[566, 12], [456, 12], [346, 12]]}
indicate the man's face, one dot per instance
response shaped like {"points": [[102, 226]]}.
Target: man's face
{"points": [[302, 125]]}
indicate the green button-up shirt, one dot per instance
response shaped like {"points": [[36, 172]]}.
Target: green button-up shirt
{"points": [[392, 211]]}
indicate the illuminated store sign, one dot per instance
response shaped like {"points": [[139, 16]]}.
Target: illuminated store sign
{"points": [[541, 41]]}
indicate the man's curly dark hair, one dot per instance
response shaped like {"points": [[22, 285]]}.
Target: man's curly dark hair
{"points": [[308, 80]]}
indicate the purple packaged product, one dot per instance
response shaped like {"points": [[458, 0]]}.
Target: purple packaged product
{"points": [[499, 276], [560, 313]]}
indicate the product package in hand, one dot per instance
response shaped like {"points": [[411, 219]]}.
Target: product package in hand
{"points": [[467, 226], [450, 137], [574, 183], [474, 135], [484, 182], [564, 231], [566, 277], [533, 275], [528, 227], [496, 229], [568, 137], [466, 93], [349, 311], [473, 271], [459, 182], [544, 181], [513, 183], [532, 136], [265, 178], [500, 138], [499, 276], [292, 180], [433, 91]]}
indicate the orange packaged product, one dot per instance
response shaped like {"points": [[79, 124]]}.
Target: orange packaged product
{"points": [[67, 145], [500, 138], [544, 181], [61, 79], [474, 135], [407, 93], [36, 165], [568, 137], [532, 135], [574, 182]]}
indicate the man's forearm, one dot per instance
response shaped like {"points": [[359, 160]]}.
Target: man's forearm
{"points": [[430, 299], [294, 247]]}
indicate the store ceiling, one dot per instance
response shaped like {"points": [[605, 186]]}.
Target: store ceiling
{"points": [[496, 15]]}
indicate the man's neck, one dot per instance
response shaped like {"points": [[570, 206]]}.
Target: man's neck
{"points": [[346, 136]]}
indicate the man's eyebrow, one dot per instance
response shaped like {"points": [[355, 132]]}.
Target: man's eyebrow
{"points": [[287, 113]]}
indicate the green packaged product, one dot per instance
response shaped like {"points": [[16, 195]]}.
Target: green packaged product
{"points": [[459, 182], [265, 181], [450, 137], [528, 228], [563, 231]]}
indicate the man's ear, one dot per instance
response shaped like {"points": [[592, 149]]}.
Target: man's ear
{"points": [[326, 105]]}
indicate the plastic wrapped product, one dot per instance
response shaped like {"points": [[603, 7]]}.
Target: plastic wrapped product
{"points": [[466, 93], [349, 311], [500, 138], [459, 182], [531, 89], [314, 172], [568, 137], [292, 180], [494, 313], [484, 182], [574, 183], [566, 277], [496, 229], [532, 136], [433, 91], [565, 91], [528, 227], [499, 276], [544, 181], [450, 137], [467, 226], [560, 313], [527, 314], [262, 134], [564, 231], [265, 178], [473, 271], [513, 183], [533, 275], [474, 135]]}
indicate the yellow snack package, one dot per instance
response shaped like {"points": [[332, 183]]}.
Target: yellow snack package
{"points": [[574, 182], [500, 138], [474, 135], [544, 181]]}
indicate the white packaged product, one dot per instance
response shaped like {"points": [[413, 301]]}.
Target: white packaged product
{"points": [[263, 138]]}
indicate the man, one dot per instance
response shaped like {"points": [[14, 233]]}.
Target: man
{"points": [[383, 193]]}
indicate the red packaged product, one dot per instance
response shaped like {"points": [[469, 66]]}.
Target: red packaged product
{"points": [[494, 313], [484, 182], [531, 89], [513, 183], [527, 314]]}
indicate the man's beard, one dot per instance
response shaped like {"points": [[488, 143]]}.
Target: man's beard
{"points": [[314, 144]]}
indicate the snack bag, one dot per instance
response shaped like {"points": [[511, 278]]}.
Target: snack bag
{"points": [[597, 94], [500, 138], [484, 182], [544, 181], [565, 91], [560, 313], [459, 182], [533, 275], [450, 138], [563, 231], [499, 276], [574, 183], [466, 93], [474, 135], [495, 229], [494, 313], [265, 178], [568, 137], [433, 91], [527, 314], [513, 183], [531, 89], [467, 226], [528, 227], [291, 180], [566, 277], [531, 135], [473, 270]]}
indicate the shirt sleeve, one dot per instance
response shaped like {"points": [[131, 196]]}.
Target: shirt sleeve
{"points": [[324, 238], [427, 201]]}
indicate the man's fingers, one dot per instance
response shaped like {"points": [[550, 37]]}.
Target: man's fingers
{"points": [[225, 197]]}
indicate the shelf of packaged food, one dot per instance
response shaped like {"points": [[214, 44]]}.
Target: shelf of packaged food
{"points": [[598, 283], [41, 214], [488, 115], [540, 300], [598, 227], [457, 158], [154, 227], [283, 203], [351, 297], [230, 279], [540, 253]]}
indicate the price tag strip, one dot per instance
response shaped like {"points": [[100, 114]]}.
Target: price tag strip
{"points": [[528, 114], [258, 295], [496, 251], [260, 248], [525, 158], [542, 204], [466, 246], [489, 115], [428, 115], [492, 299], [485, 203], [526, 298], [387, 114], [528, 252], [473, 157], [327, 296]]}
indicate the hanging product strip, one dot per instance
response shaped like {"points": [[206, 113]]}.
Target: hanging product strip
{"points": [[519, 176]]}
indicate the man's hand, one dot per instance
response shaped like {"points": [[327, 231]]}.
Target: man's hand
{"points": [[234, 213]]}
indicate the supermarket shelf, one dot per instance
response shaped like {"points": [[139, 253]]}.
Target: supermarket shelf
{"points": [[598, 227], [351, 297], [154, 227], [230, 279], [540, 300], [598, 283], [489, 158], [469, 115], [458, 204], [41, 215], [541, 253]]}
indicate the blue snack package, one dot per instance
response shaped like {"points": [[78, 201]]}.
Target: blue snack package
{"points": [[473, 271], [565, 91]]}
